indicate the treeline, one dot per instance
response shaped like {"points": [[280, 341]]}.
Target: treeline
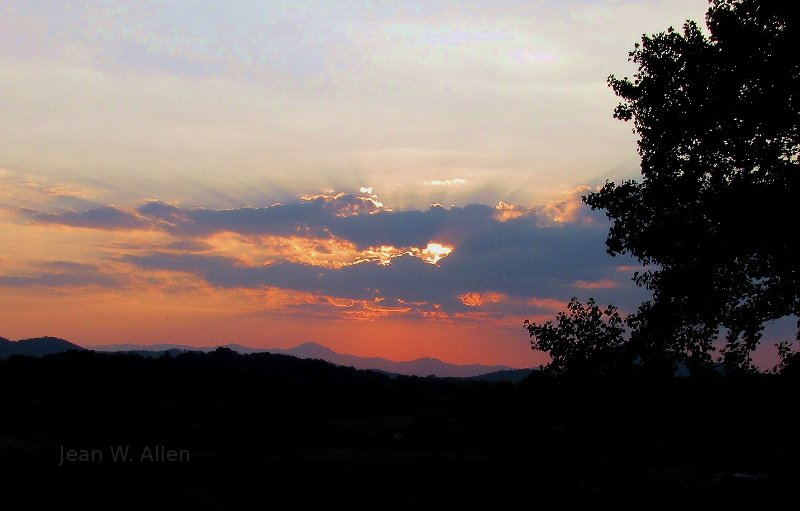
{"points": [[229, 402], [308, 430]]}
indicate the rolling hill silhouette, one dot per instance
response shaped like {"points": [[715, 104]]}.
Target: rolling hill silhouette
{"points": [[418, 367], [311, 350], [37, 347]]}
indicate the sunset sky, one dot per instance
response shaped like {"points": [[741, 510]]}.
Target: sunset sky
{"points": [[395, 179]]}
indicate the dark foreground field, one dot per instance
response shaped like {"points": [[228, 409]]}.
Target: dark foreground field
{"points": [[228, 431]]}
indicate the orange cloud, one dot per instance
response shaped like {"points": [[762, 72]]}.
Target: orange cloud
{"points": [[475, 299], [19, 189], [505, 212], [330, 252], [568, 208], [348, 204], [596, 284], [368, 312], [433, 253], [565, 209], [547, 303]]}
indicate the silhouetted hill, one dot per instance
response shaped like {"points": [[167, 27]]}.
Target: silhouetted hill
{"points": [[511, 375], [150, 348], [160, 353], [311, 350], [5, 345], [418, 367], [37, 347], [240, 348]]}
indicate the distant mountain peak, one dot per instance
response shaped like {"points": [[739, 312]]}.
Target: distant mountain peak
{"points": [[47, 339], [313, 347], [312, 344], [36, 347]]}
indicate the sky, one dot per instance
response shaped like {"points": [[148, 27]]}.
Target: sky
{"points": [[395, 179]]}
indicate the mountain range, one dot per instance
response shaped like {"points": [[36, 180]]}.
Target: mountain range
{"points": [[420, 367], [310, 350]]}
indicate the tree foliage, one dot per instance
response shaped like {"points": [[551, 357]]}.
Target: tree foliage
{"points": [[713, 214], [585, 340]]}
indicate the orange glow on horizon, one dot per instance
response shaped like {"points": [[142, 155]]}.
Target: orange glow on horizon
{"points": [[218, 318]]}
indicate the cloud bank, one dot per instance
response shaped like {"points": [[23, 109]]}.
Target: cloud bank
{"points": [[352, 254]]}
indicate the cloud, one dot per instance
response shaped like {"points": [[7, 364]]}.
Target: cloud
{"points": [[107, 217], [476, 299], [327, 252], [359, 218], [347, 204], [64, 274], [312, 216], [516, 258], [597, 284], [547, 304], [445, 182], [505, 212], [348, 246], [30, 190], [570, 207]]}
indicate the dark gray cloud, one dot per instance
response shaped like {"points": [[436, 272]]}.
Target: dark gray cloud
{"points": [[313, 217], [65, 274], [415, 228], [355, 217], [105, 217]]}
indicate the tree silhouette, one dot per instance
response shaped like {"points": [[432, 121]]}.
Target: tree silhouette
{"points": [[712, 216], [584, 340]]}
